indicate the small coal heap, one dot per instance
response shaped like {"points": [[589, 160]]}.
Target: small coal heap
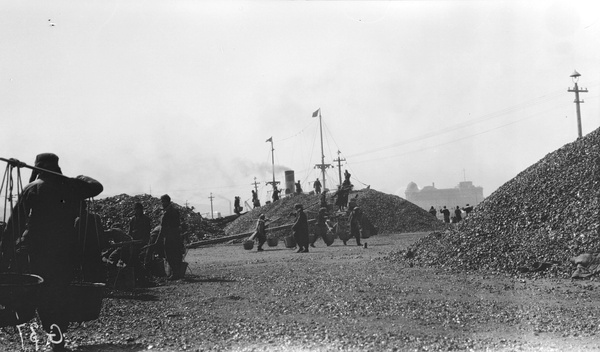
{"points": [[540, 219], [116, 212]]}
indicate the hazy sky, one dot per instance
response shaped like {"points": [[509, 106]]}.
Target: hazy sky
{"points": [[179, 97]]}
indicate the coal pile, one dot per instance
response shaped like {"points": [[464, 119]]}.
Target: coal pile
{"points": [[389, 213], [392, 214], [117, 211], [534, 223]]}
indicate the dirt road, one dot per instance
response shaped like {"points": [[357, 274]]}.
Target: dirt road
{"points": [[340, 298]]}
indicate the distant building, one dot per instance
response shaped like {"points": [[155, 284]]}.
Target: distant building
{"points": [[461, 195]]}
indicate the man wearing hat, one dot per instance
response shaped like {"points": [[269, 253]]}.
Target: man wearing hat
{"points": [[170, 234], [41, 238], [300, 229]]}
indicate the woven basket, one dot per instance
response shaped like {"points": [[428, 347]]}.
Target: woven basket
{"points": [[272, 241], [17, 298], [248, 245], [328, 238], [344, 235], [290, 242], [85, 301]]}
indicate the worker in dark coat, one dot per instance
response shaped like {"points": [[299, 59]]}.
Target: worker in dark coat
{"points": [[446, 214], [275, 195], [300, 229], [255, 201], [261, 231], [323, 199], [457, 214], [355, 224], [237, 208], [298, 187], [432, 211], [170, 234], [46, 211], [90, 235], [317, 186], [320, 226], [139, 230]]}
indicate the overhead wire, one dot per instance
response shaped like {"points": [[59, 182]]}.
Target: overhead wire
{"points": [[455, 140], [468, 123]]}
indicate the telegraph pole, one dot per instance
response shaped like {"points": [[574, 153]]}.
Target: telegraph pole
{"points": [[575, 76], [339, 161], [322, 165], [274, 183], [255, 185], [211, 205]]}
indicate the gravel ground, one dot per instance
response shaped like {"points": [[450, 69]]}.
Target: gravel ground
{"points": [[338, 298]]}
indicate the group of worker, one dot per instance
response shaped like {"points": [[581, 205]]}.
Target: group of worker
{"points": [[357, 222], [458, 213], [51, 234]]}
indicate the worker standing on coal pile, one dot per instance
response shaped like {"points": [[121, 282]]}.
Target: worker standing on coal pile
{"points": [[236, 205], [300, 229], [317, 186], [255, 201], [298, 188], [261, 231], [90, 234], [320, 226], [275, 195], [432, 211], [446, 214], [468, 209], [170, 234], [46, 211], [355, 224], [457, 214], [139, 230], [323, 199]]}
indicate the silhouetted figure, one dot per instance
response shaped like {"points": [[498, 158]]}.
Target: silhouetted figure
{"points": [[317, 186]]}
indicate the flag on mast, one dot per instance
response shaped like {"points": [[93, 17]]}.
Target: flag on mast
{"points": [[317, 113], [269, 140]]}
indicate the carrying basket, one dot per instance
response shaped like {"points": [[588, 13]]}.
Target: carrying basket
{"points": [[157, 267], [290, 242], [344, 235], [328, 238], [272, 241], [248, 245], [18, 294], [85, 301]]}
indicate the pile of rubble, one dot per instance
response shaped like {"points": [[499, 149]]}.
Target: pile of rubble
{"points": [[389, 213], [116, 212], [547, 214]]}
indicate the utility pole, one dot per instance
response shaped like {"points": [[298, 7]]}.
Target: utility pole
{"points": [[339, 161], [255, 185], [211, 206], [322, 165], [274, 183], [575, 77]]}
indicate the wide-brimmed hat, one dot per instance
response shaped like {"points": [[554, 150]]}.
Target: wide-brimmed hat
{"points": [[46, 161]]}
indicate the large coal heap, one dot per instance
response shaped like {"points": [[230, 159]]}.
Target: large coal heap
{"points": [[391, 214], [116, 212], [546, 214]]}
